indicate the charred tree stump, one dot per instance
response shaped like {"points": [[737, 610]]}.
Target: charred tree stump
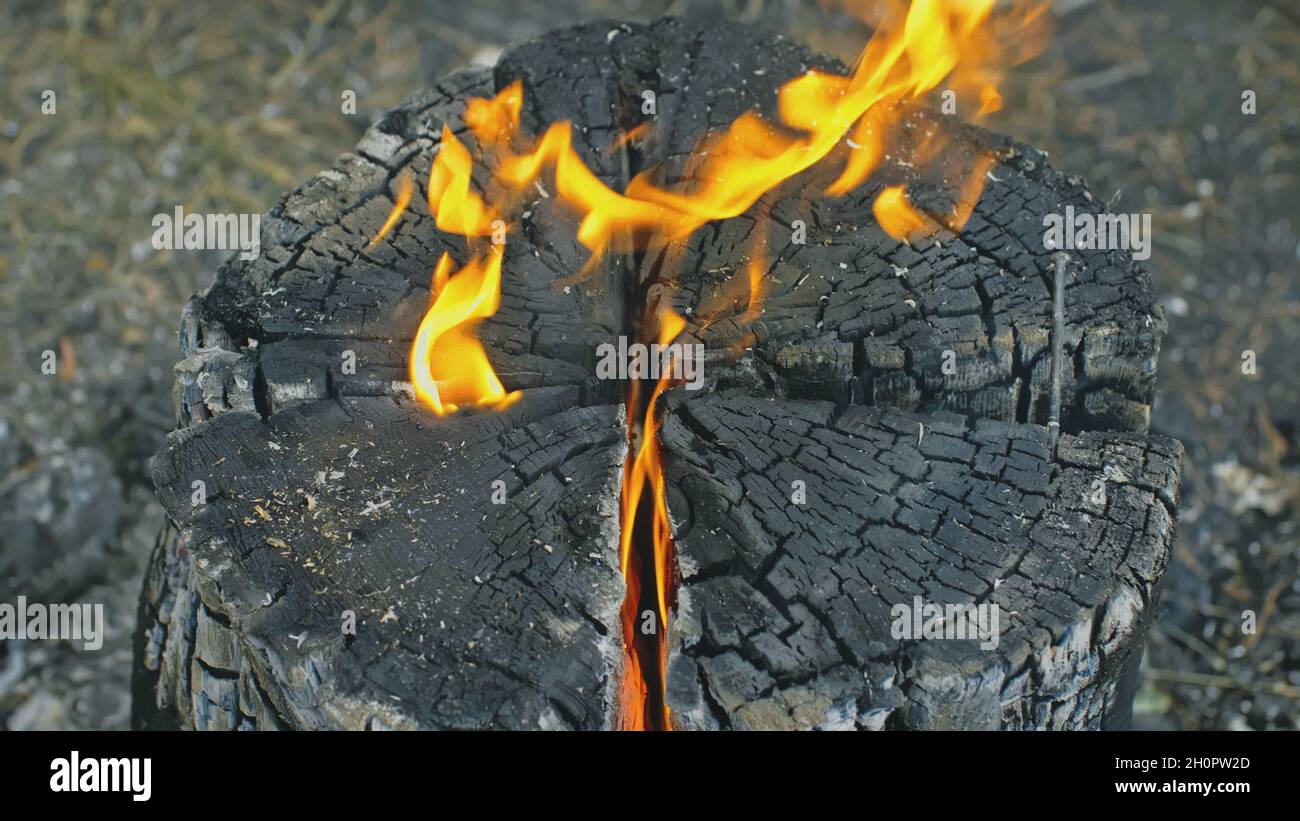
{"points": [[903, 390]]}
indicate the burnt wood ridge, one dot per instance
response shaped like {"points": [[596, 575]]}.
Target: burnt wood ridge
{"points": [[328, 491]]}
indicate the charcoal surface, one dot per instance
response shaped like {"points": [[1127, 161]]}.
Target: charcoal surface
{"points": [[801, 526], [330, 491], [955, 322], [846, 296], [464, 613]]}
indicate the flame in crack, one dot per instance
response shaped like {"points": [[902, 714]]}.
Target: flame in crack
{"points": [[644, 514]]}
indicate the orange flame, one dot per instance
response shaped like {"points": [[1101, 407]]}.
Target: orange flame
{"points": [[632, 135], [607, 213], [643, 481], [646, 461], [898, 218], [449, 367], [456, 208], [494, 121], [909, 56], [404, 189], [754, 267]]}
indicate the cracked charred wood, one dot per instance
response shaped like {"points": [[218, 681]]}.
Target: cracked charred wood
{"points": [[466, 613], [962, 323], [337, 556], [342, 558], [805, 532]]}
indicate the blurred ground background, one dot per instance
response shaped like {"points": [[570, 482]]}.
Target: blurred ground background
{"points": [[223, 108]]}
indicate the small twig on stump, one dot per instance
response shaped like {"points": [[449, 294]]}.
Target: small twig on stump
{"points": [[1058, 334]]}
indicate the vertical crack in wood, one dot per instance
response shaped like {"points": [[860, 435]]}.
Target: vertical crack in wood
{"points": [[642, 701], [1058, 334]]}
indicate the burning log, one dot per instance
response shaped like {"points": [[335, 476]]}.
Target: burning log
{"points": [[868, 448]]}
